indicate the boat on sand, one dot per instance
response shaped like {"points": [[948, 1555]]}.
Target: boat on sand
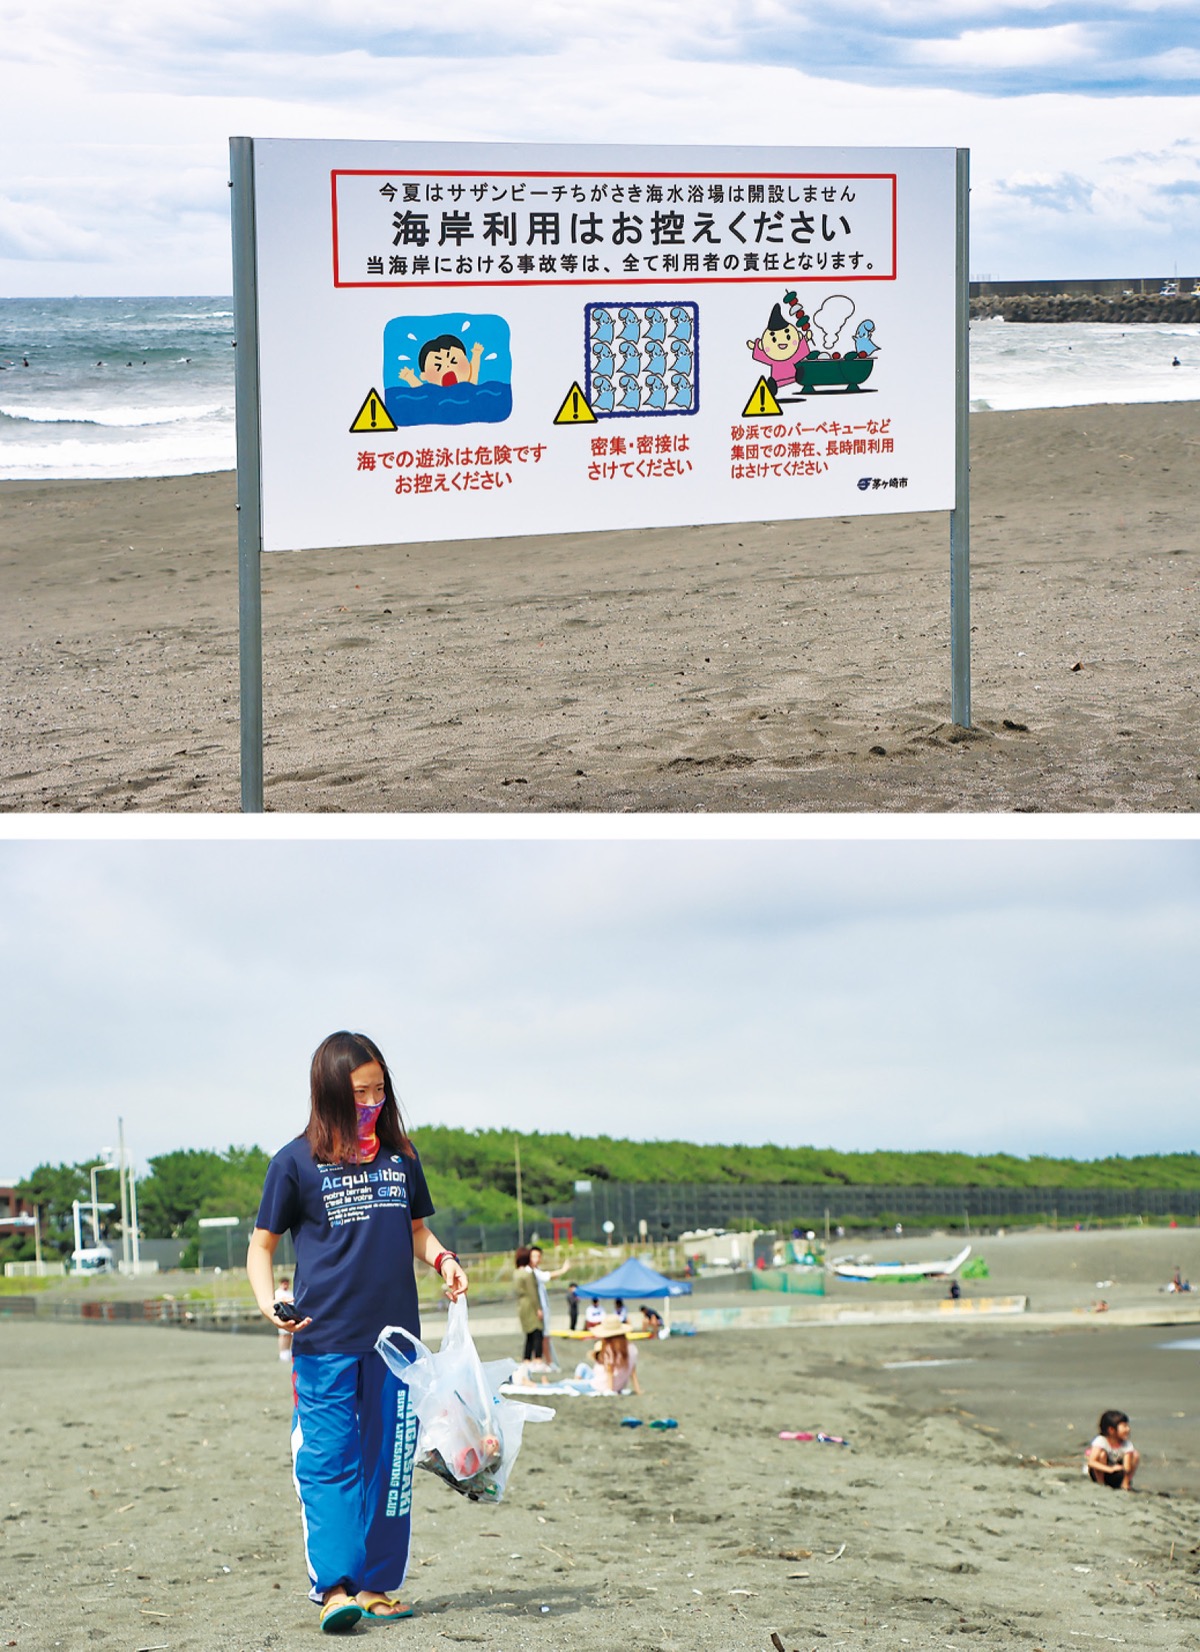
{"points": [[846, 1267]]}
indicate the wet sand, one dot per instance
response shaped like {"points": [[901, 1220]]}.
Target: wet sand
{"points": [[150, 1503], [773, 666]]}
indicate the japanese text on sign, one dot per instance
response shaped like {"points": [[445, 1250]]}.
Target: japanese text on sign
{"points": [[420, 229]]}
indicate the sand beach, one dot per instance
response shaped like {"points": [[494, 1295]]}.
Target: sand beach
{"points": [[766, 667], [149, 1503]]}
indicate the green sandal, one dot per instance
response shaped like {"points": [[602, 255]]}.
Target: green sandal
{"points": [[382, 1608], [339, 1614]]}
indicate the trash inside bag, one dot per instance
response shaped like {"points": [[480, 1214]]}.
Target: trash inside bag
{"points": [[470, 1434]]}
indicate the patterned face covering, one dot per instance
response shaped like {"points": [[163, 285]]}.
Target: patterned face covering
{"points": [[368, 1141]]}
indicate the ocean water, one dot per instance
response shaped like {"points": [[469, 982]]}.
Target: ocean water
{"points": [[115, 387], [144, 386], [1074, 364]]}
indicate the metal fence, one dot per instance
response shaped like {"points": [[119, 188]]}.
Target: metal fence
{"points": [[225, 1247], [668, 1209], [214, 1314]]}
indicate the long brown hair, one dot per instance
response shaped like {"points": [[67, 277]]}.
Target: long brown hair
{"points": [[613, 1351], [332, 1129]]}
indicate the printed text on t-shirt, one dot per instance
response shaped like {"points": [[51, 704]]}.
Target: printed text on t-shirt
{"points": [[351, 1195]]}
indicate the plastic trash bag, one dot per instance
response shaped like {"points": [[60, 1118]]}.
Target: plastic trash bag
{"points": [[470, 1434]]}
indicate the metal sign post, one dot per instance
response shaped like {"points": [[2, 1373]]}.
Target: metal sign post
{"points": [[249, 463], [960, 516]]}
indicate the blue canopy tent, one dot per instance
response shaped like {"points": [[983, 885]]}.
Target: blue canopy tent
{"points": [[634, 1281]]}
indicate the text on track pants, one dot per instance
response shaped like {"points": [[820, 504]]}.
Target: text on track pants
{"points": [[354, 1437]]}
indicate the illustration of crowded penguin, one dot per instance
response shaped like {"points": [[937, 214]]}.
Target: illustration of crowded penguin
{"points": [[629, 370]]}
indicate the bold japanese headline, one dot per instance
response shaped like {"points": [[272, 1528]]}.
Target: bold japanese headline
{"points": [[442, 229]]}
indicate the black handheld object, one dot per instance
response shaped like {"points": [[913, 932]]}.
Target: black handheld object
{"points": [[287, 1312]]}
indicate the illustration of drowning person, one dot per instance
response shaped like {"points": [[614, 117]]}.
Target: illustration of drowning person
{"points": [[782, 348], [443, 361]]}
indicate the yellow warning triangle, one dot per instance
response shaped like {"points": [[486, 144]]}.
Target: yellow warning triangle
{"points": [[575, 409], [762, 402], [372, 415]]}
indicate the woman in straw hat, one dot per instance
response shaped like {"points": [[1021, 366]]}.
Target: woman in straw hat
{"points": [[615, 1367]]}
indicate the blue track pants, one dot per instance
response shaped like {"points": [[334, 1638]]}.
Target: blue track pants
{"points": [[354, 1437]]}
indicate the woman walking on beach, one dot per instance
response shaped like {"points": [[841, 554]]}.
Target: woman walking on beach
{"points": [[352, 1193]]}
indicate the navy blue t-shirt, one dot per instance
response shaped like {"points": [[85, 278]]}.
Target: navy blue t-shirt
{"points": [[352, 1228]]}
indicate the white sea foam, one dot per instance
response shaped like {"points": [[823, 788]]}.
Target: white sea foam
{"points": [[115, 417], [178, 452]]}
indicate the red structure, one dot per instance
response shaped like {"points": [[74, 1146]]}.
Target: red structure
{"points": [[11, 1203]]}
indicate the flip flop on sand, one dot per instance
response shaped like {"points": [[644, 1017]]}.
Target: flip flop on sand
{"points": [[382, 1608], [339, 1614]]}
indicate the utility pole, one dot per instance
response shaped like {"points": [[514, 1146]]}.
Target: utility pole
{"points": [[124, 1196], [133, 1216], [520, 1207]]}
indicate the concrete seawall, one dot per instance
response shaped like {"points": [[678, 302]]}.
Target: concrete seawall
{"points": [[1123, 310]]}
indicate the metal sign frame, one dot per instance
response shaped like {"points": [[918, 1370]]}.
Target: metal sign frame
{"points": [[247, 386]]}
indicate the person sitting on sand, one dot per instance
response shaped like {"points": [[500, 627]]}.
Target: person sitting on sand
{"points": [[532, 1373], [615, 1367], [652, 1321], [1112, 1459], [593, 1314]]}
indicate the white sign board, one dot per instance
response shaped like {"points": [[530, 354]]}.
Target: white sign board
{"points": [[459, 340]]}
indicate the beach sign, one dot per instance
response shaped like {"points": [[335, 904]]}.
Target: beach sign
{"points": [[451, 341]]}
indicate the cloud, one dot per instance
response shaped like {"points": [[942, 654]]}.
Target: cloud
{"points": [[843, 994], [116, 119], [1066, 48], [1181, 64], [1064, 192], [1114, 47], [29, 230], [1000, 50]]}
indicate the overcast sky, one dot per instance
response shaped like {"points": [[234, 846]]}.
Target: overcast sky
{"points": [[984, 996], [1082, 117]]}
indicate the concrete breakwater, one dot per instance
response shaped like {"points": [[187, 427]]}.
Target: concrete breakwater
{"points": [[1123, 309]]}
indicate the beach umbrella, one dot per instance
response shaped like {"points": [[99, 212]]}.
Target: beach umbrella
{"points": [[636, 1280]]}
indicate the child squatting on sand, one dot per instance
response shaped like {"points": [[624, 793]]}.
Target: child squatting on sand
{"points": [[352, 1193], [1111, 1459]]}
